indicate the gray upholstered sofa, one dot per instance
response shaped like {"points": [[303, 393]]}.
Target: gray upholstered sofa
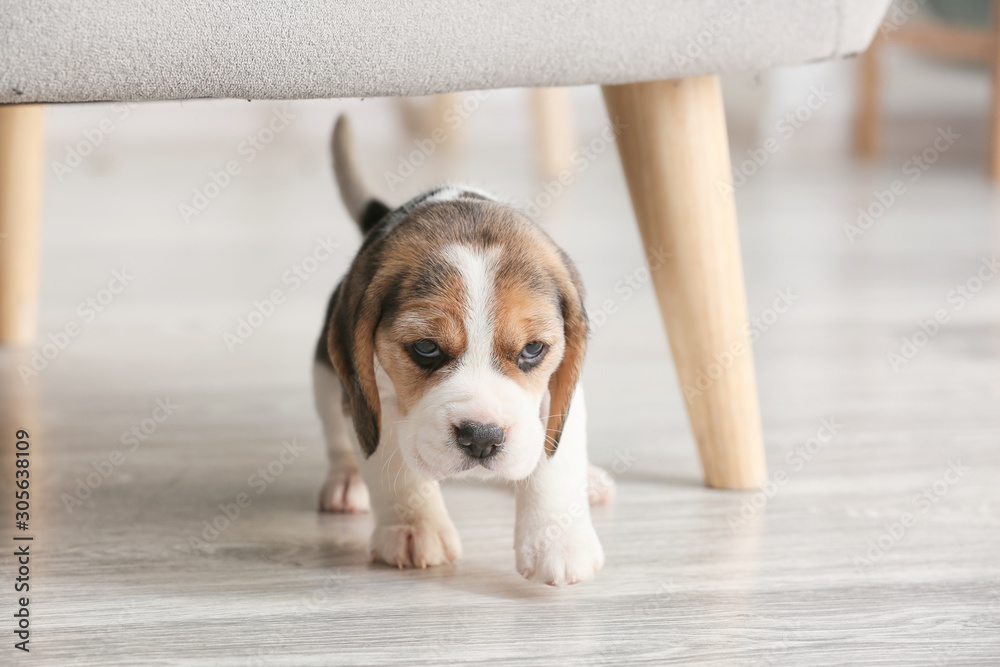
{"points": [[657, 61]]}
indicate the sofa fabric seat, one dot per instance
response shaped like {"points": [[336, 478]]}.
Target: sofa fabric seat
{"points": [[134, 50]]}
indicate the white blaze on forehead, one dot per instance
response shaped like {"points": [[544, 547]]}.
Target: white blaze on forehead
{"points": [[455, 192], [477, 267]]}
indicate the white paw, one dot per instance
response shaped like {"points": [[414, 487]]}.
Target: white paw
{"points": [[421, 544], [600, 485], [344, 491], [558, 556]]}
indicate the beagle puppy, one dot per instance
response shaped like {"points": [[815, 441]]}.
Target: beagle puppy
{"points": [[453, 347]]}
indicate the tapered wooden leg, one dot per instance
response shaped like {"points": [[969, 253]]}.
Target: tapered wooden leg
{"points": [[867, 117], [555, 132], [675, 155], [22, 146]]}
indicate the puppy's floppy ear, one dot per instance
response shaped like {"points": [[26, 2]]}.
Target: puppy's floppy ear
{"points": [[563, 382], [351, 342]]}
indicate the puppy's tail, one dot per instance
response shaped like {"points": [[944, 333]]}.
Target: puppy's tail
{"points": [[363, 206]]}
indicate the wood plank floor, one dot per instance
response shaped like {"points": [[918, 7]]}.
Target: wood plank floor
{"points": [[821, 570]]}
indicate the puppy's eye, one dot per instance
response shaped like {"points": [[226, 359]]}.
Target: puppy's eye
{"points": [[426, 354], [427, 348], [531, 355], [532, 350]]}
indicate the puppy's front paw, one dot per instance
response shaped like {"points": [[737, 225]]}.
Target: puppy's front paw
{"points": [[420, 544], [344, 491], [559, 556]]}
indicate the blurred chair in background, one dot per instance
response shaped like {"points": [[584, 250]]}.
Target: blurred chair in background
{"points": [[552, 117], [555, 133], [422, 117], [962, 31]]}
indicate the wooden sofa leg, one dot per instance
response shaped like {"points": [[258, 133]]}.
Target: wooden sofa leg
{"points": [[555, 132], [22, 146], [675, 156]]}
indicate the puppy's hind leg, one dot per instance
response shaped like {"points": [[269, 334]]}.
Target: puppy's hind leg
{"points": [[600, 485], [344, 490]]}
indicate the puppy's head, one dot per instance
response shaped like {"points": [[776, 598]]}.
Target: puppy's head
{"points": [[477, 318]]}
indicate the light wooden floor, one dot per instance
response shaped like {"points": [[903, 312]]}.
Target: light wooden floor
{"points": [[117, 581]]}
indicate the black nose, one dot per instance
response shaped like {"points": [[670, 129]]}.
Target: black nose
{"points": [[479, 440]]}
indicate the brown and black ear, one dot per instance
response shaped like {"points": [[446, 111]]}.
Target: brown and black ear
{"points": [[351, 341], [563, 382]]}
